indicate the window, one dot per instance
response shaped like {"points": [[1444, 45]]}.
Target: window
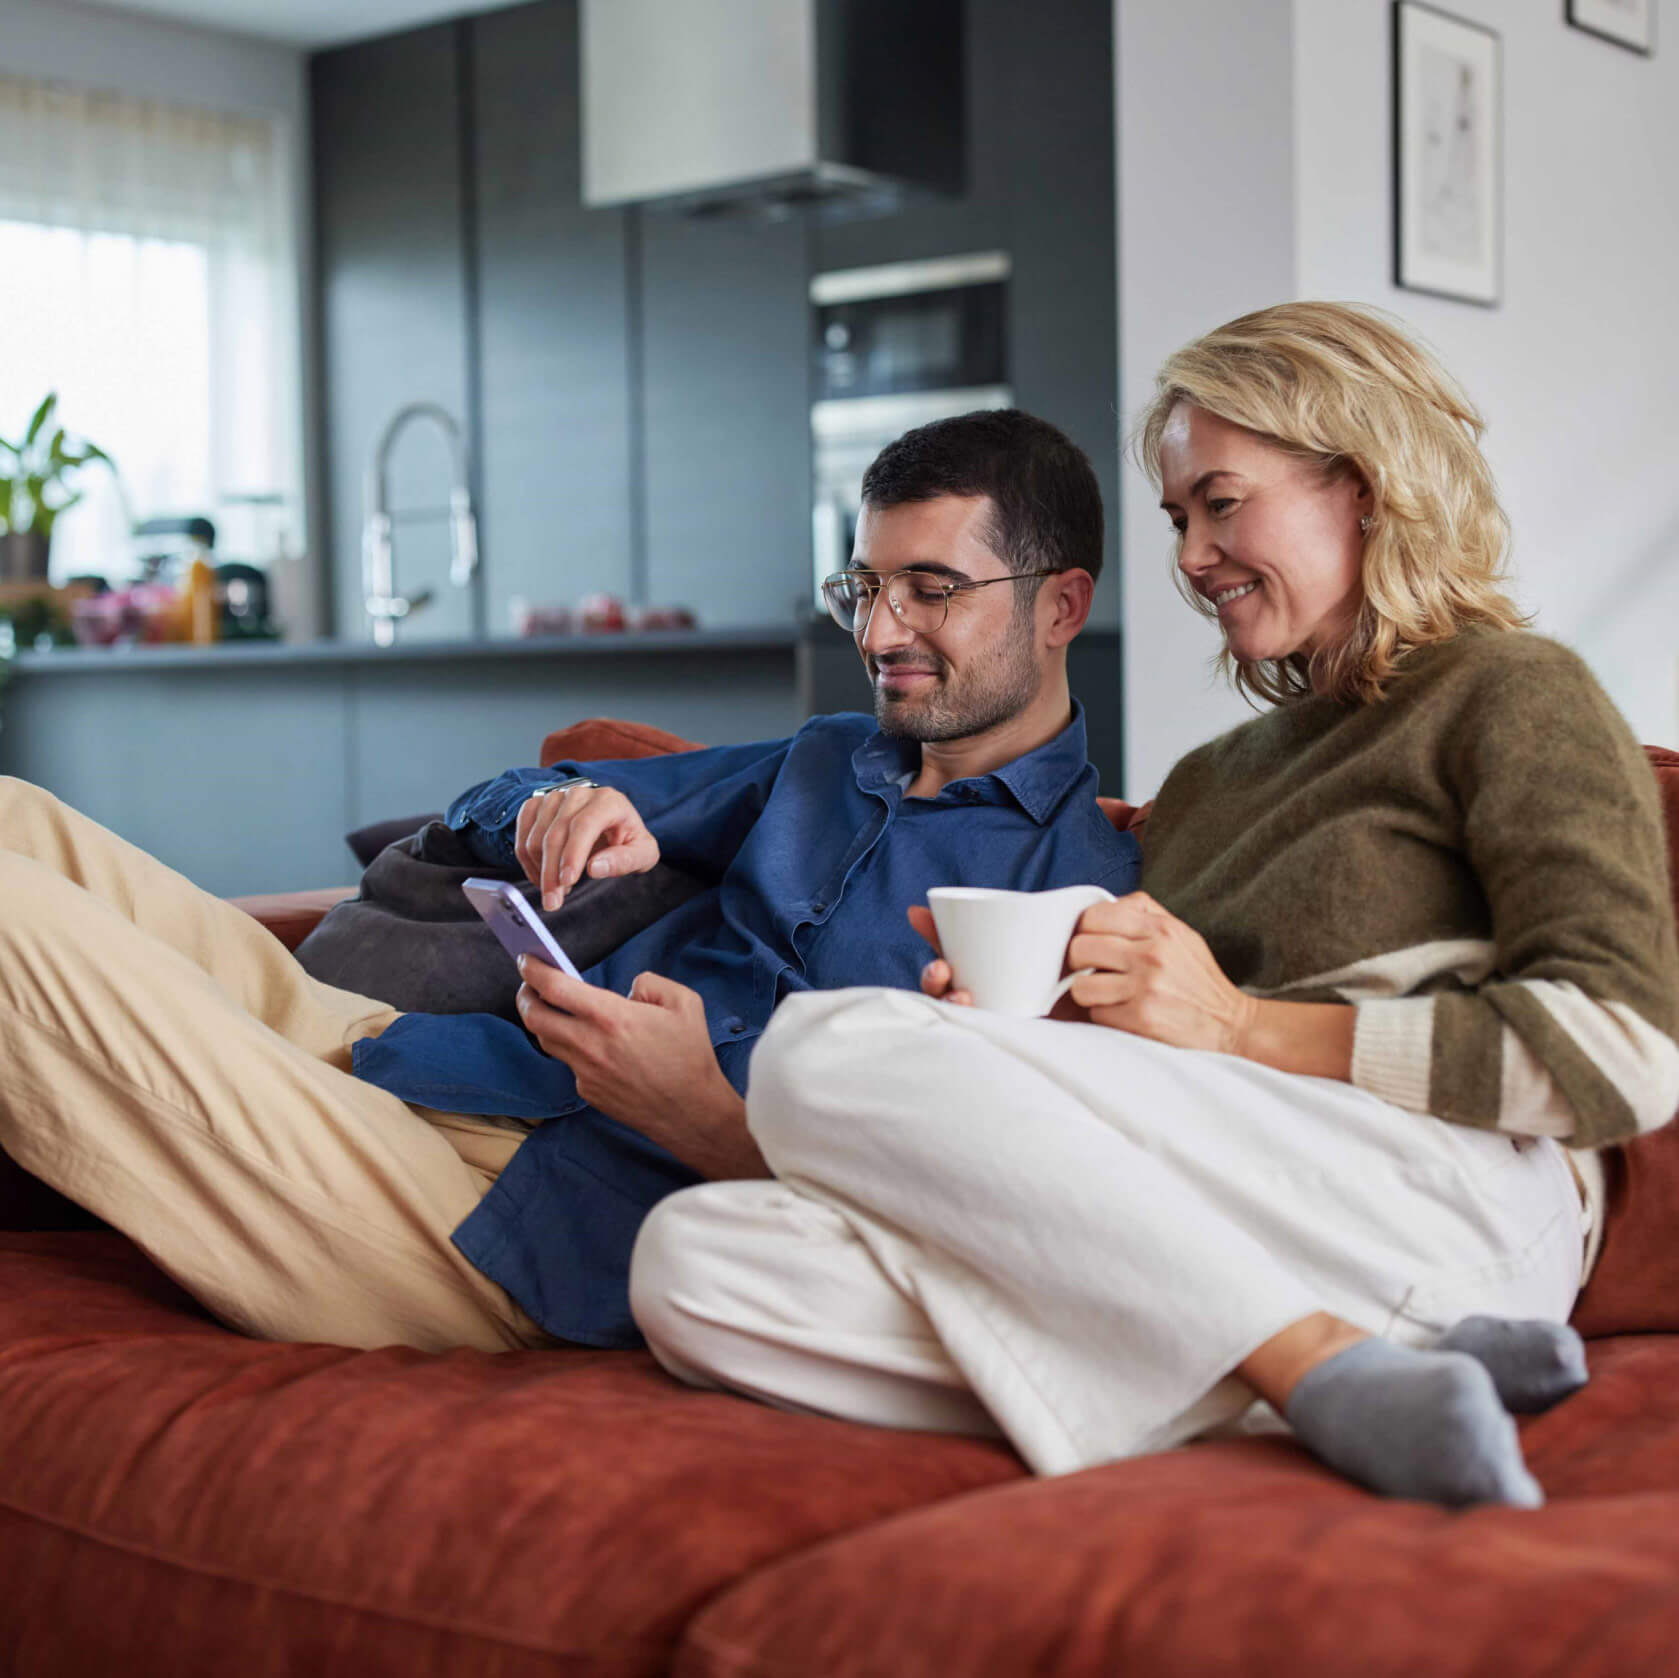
{"points": [[146, 275]]}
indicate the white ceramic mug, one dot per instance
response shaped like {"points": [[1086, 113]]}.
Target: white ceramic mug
{"points": [[1006, 948]]}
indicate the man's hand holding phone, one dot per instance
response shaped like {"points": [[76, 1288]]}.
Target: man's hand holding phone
{"points": [[646, 1060], [567, 829]]}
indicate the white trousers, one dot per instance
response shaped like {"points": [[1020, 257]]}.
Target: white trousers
{"points": [[1070, 1234]]}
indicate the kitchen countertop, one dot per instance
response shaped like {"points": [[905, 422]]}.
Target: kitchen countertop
{"points": [[245, 655]]}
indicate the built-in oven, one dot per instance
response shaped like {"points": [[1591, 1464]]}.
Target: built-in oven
{"points": [[895, 347]]}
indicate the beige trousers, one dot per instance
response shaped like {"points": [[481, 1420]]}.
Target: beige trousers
{"points": [[166, 1063]]}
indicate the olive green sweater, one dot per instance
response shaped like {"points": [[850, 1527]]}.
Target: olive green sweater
{"points": [[1476, 863]]}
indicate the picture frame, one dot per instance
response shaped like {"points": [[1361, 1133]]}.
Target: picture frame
{"points": [[1448, 155], [1628, 23]]}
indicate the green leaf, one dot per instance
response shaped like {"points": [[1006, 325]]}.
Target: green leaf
{"points": [[37, 471], [39, 418]]}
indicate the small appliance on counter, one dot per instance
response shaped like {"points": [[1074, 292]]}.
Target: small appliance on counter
{"points": [[247, 591], [181, 594], [243, 593], [166, 547], [896, 346]]}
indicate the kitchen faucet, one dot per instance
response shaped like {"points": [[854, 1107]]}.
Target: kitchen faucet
{"points": [[384, 605]]}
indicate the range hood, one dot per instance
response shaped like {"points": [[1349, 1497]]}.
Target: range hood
{"points": [[766, 107]]}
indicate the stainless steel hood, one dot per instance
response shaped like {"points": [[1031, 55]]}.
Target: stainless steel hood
{"points": [[844, 107]]}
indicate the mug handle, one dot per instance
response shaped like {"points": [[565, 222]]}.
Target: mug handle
{"points": [[1066, 985]]}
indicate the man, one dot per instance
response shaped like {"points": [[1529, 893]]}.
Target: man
{"points": [[310, 1164]]}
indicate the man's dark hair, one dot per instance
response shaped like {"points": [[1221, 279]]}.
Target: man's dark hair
{"points": [[1048, 508]]}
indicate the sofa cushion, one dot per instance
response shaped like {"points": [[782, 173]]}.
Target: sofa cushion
{"points": [[1635, 1288], [597, 739], [411, 938], [180, 1502], [367, 842], [292, 915], [1247, 1557]]}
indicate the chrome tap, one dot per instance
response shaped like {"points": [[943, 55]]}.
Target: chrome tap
{"points": [[384, 605]]}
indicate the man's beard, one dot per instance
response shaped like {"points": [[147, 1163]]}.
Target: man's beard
{"points": [[995, 688]]}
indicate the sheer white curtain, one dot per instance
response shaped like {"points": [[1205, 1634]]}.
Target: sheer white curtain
{"points": [[147, 274]]}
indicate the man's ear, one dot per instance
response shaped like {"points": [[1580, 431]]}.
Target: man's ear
{"points": [[1068, 595]]}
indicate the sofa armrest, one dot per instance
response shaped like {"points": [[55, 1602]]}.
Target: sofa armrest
{"points": [[292, 915]]}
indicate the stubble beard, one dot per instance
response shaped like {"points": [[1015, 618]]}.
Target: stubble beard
{"points": [[995, 689]]}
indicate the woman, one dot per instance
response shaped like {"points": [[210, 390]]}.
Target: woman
{"points": [[1400, 937]]}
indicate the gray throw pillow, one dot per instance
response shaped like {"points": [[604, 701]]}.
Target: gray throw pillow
{"points": [[410, 938]]}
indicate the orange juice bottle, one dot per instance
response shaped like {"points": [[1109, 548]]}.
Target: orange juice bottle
{"points": [[202, 610]]}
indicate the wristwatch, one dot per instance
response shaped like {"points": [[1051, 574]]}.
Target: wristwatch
{"points": [[560, 786]]}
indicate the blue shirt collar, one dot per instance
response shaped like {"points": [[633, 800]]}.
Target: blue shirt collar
{"points": [[1037, 780]]}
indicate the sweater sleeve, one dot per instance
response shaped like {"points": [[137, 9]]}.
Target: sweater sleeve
{"points": [[1572, 1032]]}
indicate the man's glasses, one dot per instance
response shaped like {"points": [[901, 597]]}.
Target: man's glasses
{"points": [[920, 600]]}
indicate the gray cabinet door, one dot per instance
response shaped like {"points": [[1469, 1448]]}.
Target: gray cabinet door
{"points": [[393, 316], [553, 307], [1040, 185], [727, 417]]}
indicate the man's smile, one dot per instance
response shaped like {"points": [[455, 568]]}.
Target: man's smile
{"points": [[904, 678]]}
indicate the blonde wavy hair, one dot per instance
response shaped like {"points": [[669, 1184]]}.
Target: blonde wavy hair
{"points": [[1343, 388]]}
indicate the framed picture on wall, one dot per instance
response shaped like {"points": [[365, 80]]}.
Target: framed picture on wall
{"points": [[1448, 187], [1629, 23]]}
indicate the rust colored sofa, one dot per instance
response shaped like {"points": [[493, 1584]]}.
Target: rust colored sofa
{"points": [[179, 1502]]}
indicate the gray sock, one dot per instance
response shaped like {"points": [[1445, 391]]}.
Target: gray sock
{"points": [[1425, 1425], [1533, 1363]]}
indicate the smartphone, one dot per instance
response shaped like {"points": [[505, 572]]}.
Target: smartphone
{"points": [[515, 923]]}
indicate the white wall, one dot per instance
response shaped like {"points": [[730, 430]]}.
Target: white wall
{"points": [[1204, 109], [1577, 370], [150, 58]]}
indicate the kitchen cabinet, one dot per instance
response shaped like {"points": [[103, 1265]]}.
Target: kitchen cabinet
{"points": [[364, 734], [558, 490], [368, 734], [727, 417], [391, 257], [637, 384], [1040, 185]]}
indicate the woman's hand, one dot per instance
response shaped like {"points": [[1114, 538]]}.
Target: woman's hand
{"points": [[1155, 977], [936, 978]]}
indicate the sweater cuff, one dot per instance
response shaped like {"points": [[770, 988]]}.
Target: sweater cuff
{"points": [[1393, 1049]]}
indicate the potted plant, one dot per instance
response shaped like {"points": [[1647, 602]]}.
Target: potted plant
{"points": [[35, 488]]}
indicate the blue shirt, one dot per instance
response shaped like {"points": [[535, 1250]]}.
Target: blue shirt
{"points": [[811, 854]]}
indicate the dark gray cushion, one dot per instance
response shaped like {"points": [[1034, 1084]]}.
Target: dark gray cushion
{"points": [[410, 938], [367, 842]]}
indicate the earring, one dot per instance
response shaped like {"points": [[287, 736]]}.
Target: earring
{"points": [[1364, 524]]}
